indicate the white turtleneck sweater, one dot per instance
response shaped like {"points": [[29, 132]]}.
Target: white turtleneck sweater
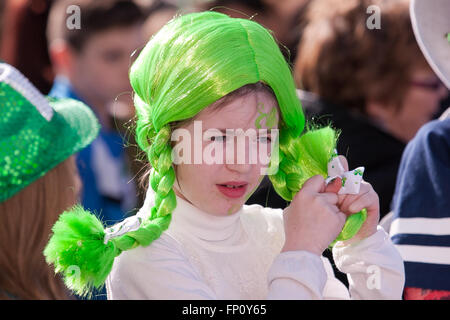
{"points": [[202, 256]]}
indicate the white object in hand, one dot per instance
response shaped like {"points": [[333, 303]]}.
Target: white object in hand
{"points": [[351, 180]]}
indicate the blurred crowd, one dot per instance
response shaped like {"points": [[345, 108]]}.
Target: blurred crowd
{"points": [[373, 84]]}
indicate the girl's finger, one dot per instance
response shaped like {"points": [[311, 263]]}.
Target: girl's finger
{"points": [[334, 186], [346, 201], [368, 200], [335, 210], [314, 184], [330, 198], [342, 217]]}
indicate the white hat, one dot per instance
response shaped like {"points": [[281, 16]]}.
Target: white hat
{"points": [[431, 24]]}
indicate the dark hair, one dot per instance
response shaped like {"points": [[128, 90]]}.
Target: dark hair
{"points": [[346, 63], [96, 16], [224, 6]]}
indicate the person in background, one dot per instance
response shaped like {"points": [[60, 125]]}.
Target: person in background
{"points": [[92, 65], [23, 43], [420, 226], [38, 181], [157, 13]]}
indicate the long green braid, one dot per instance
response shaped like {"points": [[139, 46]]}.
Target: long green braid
{"points": [[193, 61]]}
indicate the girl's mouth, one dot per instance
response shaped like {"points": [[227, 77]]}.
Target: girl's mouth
{"points": [[233, 189]]}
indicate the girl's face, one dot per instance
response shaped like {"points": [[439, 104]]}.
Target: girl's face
{"points": [[225, 138]]}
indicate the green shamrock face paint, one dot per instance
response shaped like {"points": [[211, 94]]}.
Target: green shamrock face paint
{"points": [[271, 117], [233, 209]]}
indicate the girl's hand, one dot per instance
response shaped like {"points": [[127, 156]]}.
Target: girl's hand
{"points": [[353, 203], [313, 220], [317, 214]]}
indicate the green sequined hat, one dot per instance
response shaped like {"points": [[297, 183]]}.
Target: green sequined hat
{"points": [[36, 133]]}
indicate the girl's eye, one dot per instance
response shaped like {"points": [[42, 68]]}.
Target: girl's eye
{"points": [[265, 139], [218, 138]]}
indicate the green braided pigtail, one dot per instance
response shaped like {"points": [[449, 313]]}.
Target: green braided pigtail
{"points": [[162, 176]]}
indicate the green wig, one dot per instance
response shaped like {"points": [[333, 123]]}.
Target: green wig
{"points": [[193, 61]]}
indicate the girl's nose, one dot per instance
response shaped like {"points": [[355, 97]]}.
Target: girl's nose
{"points": [[237, 157], [241, 168]]}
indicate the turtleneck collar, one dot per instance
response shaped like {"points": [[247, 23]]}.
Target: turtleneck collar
{"points": [[189, 219]]}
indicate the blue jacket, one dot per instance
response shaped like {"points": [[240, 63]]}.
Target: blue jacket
{"points": [[107, 187]]}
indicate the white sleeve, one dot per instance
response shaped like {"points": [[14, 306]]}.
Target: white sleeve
{"points": [[301, 275], [373, 266], [296, 275], [159, 272]]}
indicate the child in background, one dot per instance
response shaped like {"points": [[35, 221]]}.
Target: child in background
{"points": [[420, 226], [92, 65], [194, 238], [38, 180]]}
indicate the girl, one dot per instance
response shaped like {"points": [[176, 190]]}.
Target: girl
{"points": [[38, 181], [224, 79]]}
